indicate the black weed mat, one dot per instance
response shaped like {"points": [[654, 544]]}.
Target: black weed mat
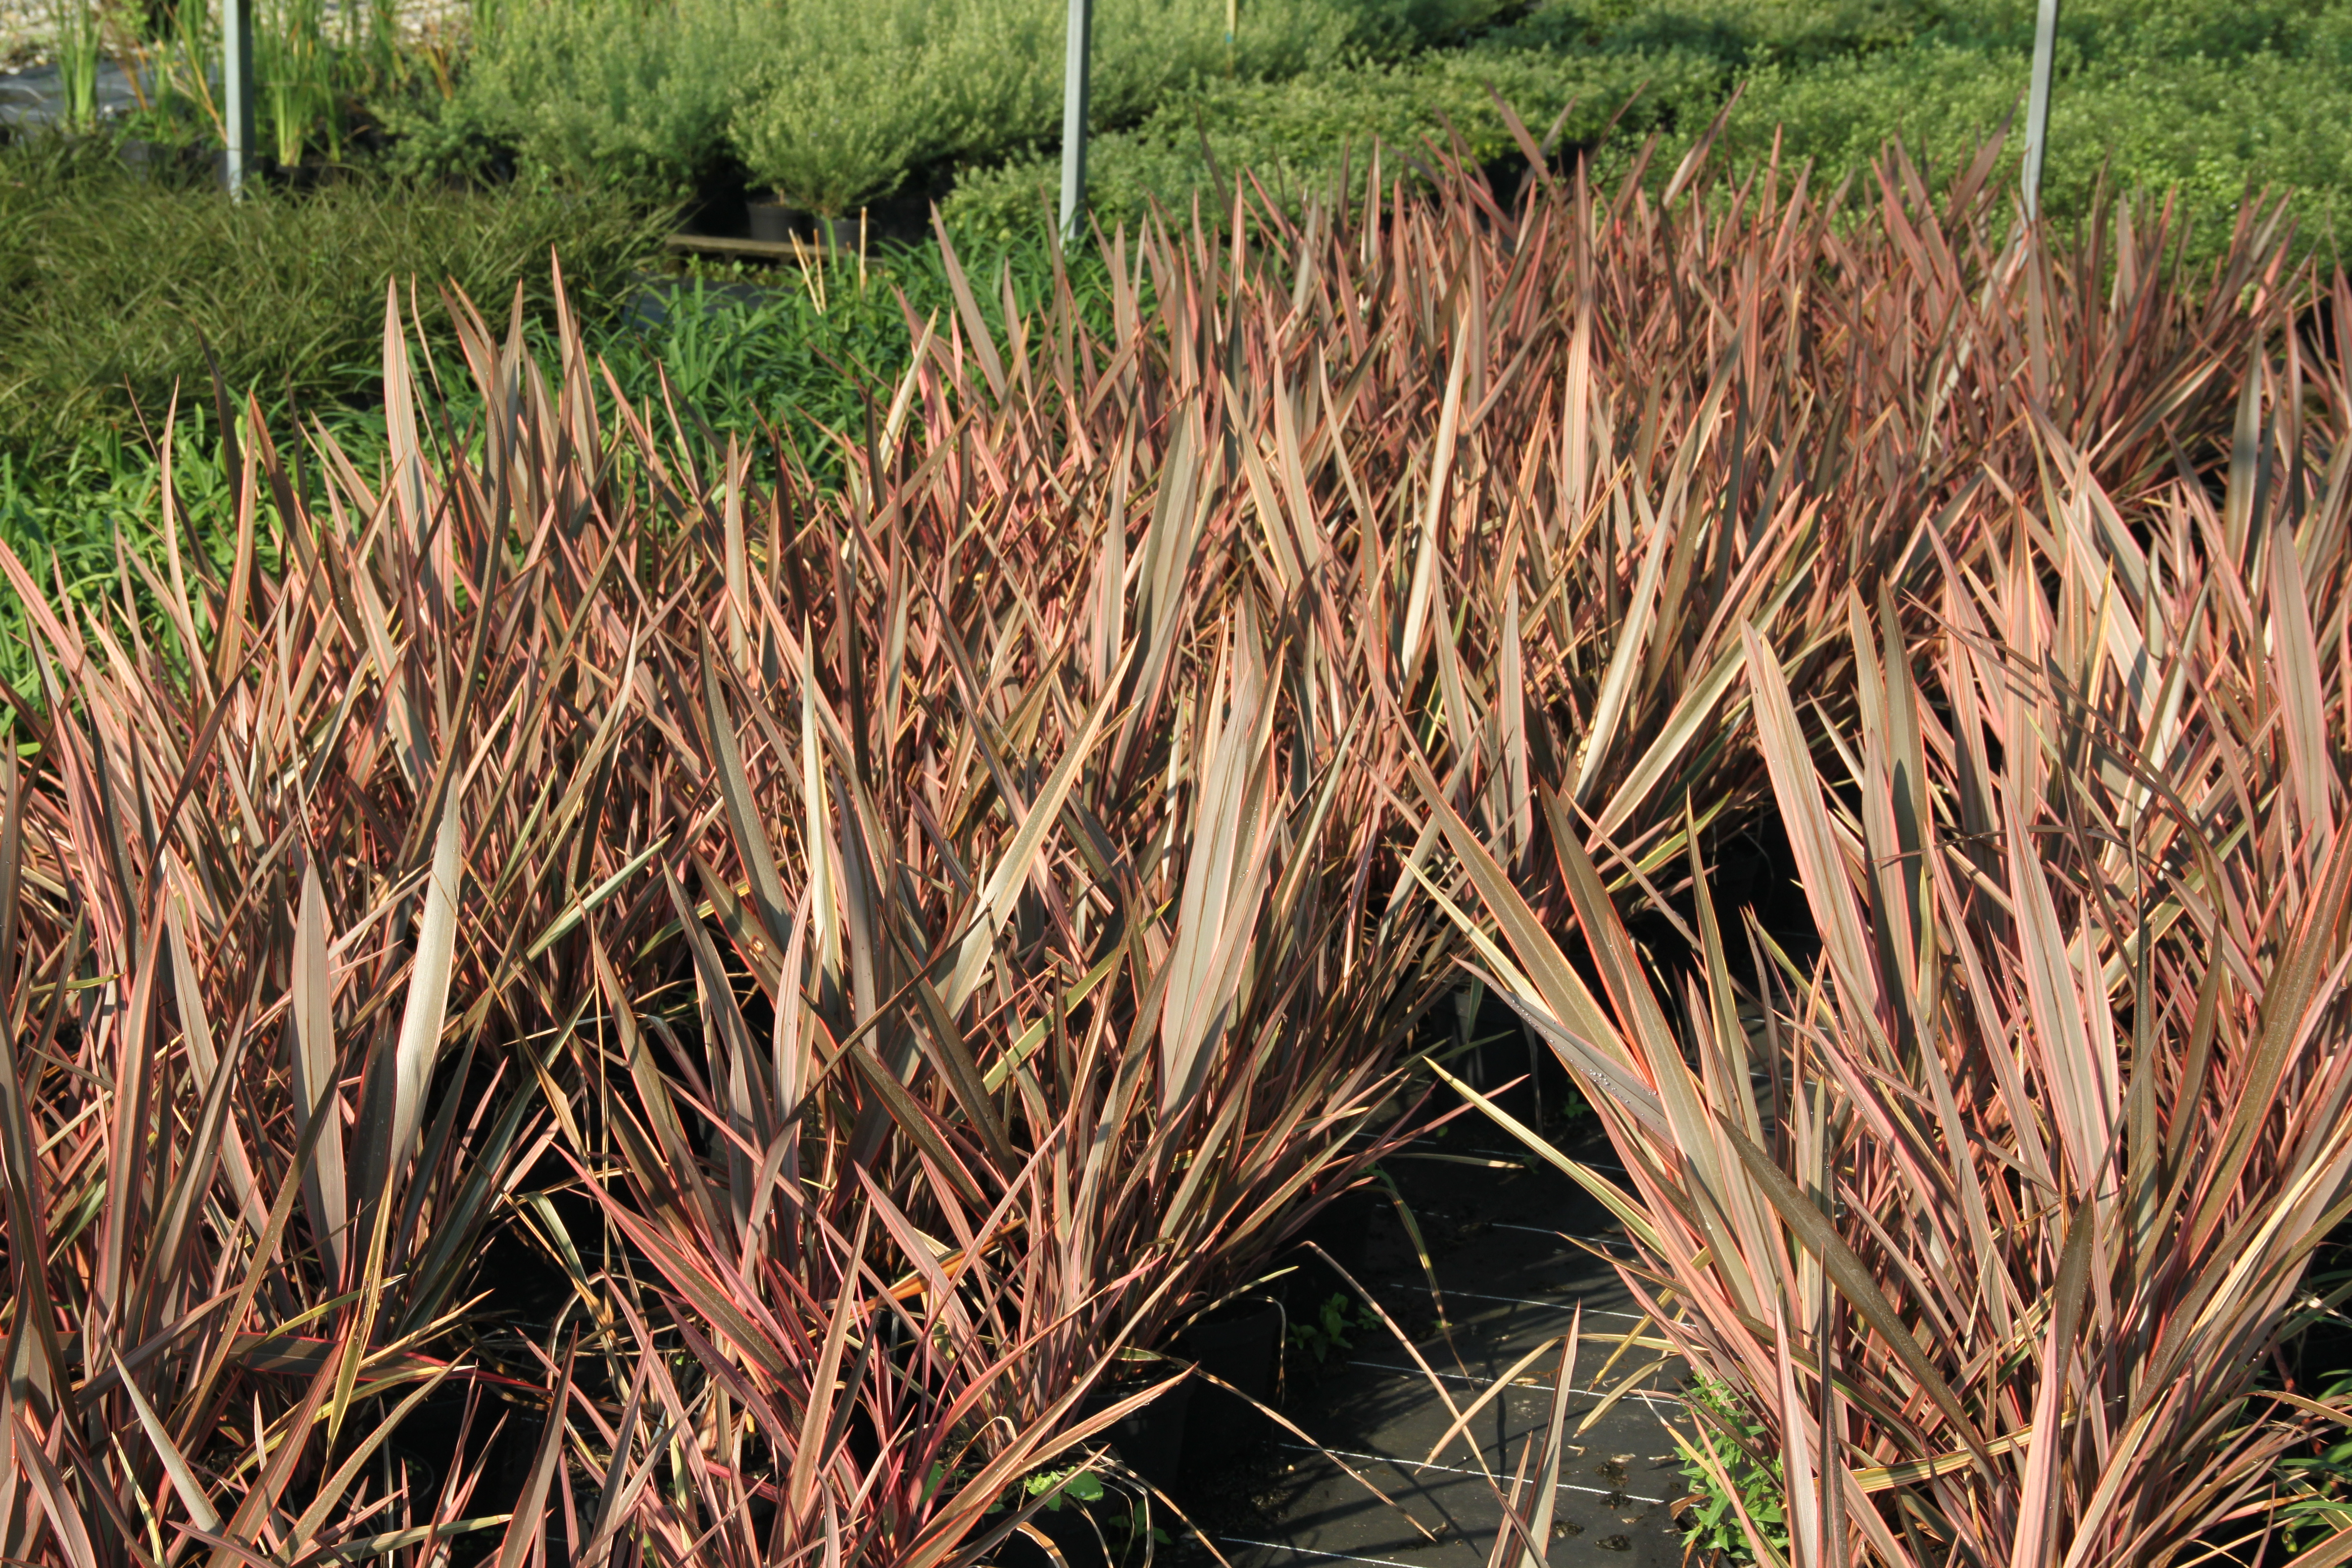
{"points": [[1508, 1245]]}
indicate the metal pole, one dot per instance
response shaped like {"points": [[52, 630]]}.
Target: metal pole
{"points": [[2037, 105], [1074, 118], [236, 92]]}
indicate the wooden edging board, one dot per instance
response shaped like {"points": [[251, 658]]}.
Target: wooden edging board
{"points": [[763, 250]]}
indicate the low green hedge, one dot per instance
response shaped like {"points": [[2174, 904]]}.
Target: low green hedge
{"points": [[2214, 101], [834, 102], [1291, 136], [2167, 102]]}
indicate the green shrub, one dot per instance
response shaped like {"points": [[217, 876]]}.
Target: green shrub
{"points": [[1383, 30], [1728, 1447], [853, 95], [834, 137], [1735, 34], [2104, 34], [2210, 98], [633, 95], [833, 103], [1146, 50]]}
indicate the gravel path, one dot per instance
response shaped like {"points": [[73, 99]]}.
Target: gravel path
{"points": [[26, 26], [22, 23]]}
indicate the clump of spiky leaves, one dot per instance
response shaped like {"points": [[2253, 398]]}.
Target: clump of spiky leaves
{"points": [[1013, 884], [455, 776], [1277, 414], [1990, 1210], [284, 891], [1527, 470]]}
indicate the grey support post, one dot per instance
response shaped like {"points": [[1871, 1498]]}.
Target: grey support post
{"points": [[1074, 119], [236, 92], [2037, 104]]}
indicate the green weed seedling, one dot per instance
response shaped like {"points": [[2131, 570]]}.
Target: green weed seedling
{"points": [[1333, 1327], [1711, 1529], [1077, 1485], [2320, 1484]]}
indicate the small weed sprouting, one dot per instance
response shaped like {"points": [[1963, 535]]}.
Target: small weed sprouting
{"points": [[1726, 1450], [1074, 1484], [2319, 1483], [1333, 1327]]}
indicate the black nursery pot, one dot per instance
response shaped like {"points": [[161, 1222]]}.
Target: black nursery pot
{"points": [[771, 223], [296, 176], [838, 235], [1238, 1344], [1149, 1441]]}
